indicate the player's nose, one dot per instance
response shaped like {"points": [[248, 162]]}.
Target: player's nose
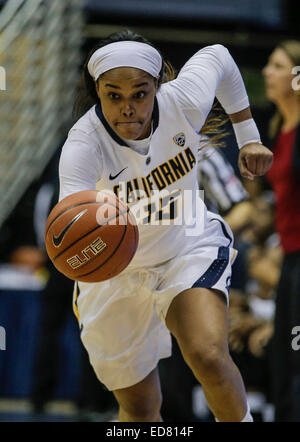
{"points": [[127, 111]]}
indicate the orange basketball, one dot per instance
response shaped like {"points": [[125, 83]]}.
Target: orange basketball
{"points": [[91, 236]]}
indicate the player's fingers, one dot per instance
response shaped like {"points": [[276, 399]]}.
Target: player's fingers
{"points": [[268, 161], [246, 174], [260, 166], [260, 163], [255, 160], [244, 169], [263, 164], [251, 162]]}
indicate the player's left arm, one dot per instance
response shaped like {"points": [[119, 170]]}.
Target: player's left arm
{"points": [[213, 72], [255, 159]]}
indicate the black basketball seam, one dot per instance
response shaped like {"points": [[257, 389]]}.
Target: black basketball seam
{"points": [[68, 208], [90, 231], [95, 257], [77, 205], [135, 244]]}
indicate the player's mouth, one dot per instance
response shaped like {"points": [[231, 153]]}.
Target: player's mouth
{"points": [[127, 123]]}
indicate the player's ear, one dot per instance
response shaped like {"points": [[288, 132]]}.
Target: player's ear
{"points": [[156, 82]]}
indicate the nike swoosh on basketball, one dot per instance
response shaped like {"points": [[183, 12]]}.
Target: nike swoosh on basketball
{"points": [[112, 177], [57, 239]]}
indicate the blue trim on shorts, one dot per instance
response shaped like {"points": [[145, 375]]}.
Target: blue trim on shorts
{"points": [[226, 234], [215, 270]]}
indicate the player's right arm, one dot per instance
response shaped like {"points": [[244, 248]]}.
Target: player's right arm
{"points": [[80, 165]]}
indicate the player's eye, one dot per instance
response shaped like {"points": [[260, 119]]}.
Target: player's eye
{"points": [[140, 94], [113, 96]]}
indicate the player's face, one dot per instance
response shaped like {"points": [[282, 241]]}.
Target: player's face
{"points": [[127, 100], [278, 76]]}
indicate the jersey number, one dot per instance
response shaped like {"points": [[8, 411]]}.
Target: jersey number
{"points": [[165, 208]]}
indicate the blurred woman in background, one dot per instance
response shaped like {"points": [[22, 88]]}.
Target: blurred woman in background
{"points": [[283, 89]]}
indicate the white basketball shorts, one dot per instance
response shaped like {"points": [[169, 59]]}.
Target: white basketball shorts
{"points": [[122, 320]]}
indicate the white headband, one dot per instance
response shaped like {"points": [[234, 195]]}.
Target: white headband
{"points": [[125, 54]]}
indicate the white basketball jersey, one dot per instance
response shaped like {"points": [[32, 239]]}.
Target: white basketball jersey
{"points": [[95, 157]]}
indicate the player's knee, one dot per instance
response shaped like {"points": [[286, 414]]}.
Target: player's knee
{"points": [[143, 408], [208, 361]]}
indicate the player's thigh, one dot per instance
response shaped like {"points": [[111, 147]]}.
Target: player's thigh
{"points": [[198, 318], [143, 397]]}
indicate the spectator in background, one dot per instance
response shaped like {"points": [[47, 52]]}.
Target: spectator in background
{"points": [[282, 89]]}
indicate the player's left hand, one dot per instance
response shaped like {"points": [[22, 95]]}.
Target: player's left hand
{"points": [[254, 160]]}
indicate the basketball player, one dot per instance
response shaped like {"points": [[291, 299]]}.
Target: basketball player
{"points": [[140, 135]]}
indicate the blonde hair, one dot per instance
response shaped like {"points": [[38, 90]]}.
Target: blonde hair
{"points": [[292, 49], [214, 126]]}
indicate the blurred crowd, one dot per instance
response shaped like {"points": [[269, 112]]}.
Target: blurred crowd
{"points": [[252, 303]]}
